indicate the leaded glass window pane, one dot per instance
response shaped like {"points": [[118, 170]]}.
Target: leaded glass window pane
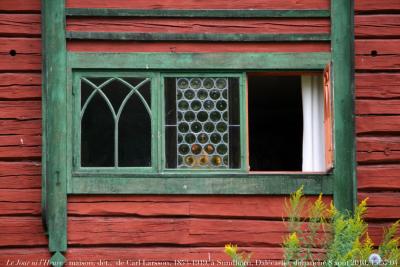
{"points": [[115, 122], [202, 122]]}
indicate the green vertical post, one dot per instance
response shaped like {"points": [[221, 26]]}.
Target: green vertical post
{"points": [[55, 131], [342, 41]]}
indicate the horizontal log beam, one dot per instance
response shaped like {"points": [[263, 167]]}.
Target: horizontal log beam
{"points": [[193, 13], [202, 4], [212, 61], [198, 37]]}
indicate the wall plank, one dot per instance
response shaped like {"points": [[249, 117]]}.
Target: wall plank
{"points": [[21, 110], [200, 4], [20, 126], [376, 107], [20, 86], [180, 47], [377, 124], [20, 146], [27, 55], [193, 232], [377, 55], [271, 207], [17, 25], [377, 6], [194, 25], [378, 177], [377, 26], [32, 6], [22, 231], [20, 202], [20, 175], [377, 85], [378, 150]]}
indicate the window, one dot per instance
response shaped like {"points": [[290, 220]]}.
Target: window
{"points": [[154, 122]]}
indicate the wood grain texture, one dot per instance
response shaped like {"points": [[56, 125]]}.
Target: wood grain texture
{"points": [[17, 25], [20, 202], [377, 26], [377, 85], [188, 47], [378, 107], [174, 231], [267, 207], [378, 177], [382, 205], [378, 150], [188, 232], [373, 125], [21, 110], [200, 4], [20, 175], [20, 86], [377, 6], [20, 126], [377, 54], [20, 146], [17, 6], [27, 54], [189, 25], [22, 231]]}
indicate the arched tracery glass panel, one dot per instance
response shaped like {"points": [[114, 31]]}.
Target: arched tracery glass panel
{"points": [[115, 122]]}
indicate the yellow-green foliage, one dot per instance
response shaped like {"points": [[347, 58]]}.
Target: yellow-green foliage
{"points": [[239, 259], [389, 249], [343, 236]]}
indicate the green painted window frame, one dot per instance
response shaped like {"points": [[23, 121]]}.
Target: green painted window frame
{"points": [[57, 180], [160, 180]]}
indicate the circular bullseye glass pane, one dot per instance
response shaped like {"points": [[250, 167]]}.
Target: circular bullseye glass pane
{"points": [[216, 160], [196, 149], [183, 149], [209, 127], [183, 127], [208, 83], [190, 116], [202, 138], [195, 83], [215, 138], [215, 116], [196, 127], [220, 83], [202, 116], [196, 105], [183, 105], [190, 138], [189, 94], [222, 127], [225, 137], [203, 161], [222, 149], [225, 94], [202, 94], [183, 83], [215, 94], [221, 105], [189, 160], [209, 149], [180, 138], [208, 104]]}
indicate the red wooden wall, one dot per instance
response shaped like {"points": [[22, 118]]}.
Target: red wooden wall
{"points": [[185, 227]]}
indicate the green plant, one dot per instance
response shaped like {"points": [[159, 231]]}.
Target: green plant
{"points": [[239, 259], [343, 237]]}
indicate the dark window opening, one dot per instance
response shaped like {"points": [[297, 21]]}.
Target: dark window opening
{"points": [[275, 123]]}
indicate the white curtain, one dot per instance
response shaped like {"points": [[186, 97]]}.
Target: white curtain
{"points": [[313, 123]]}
